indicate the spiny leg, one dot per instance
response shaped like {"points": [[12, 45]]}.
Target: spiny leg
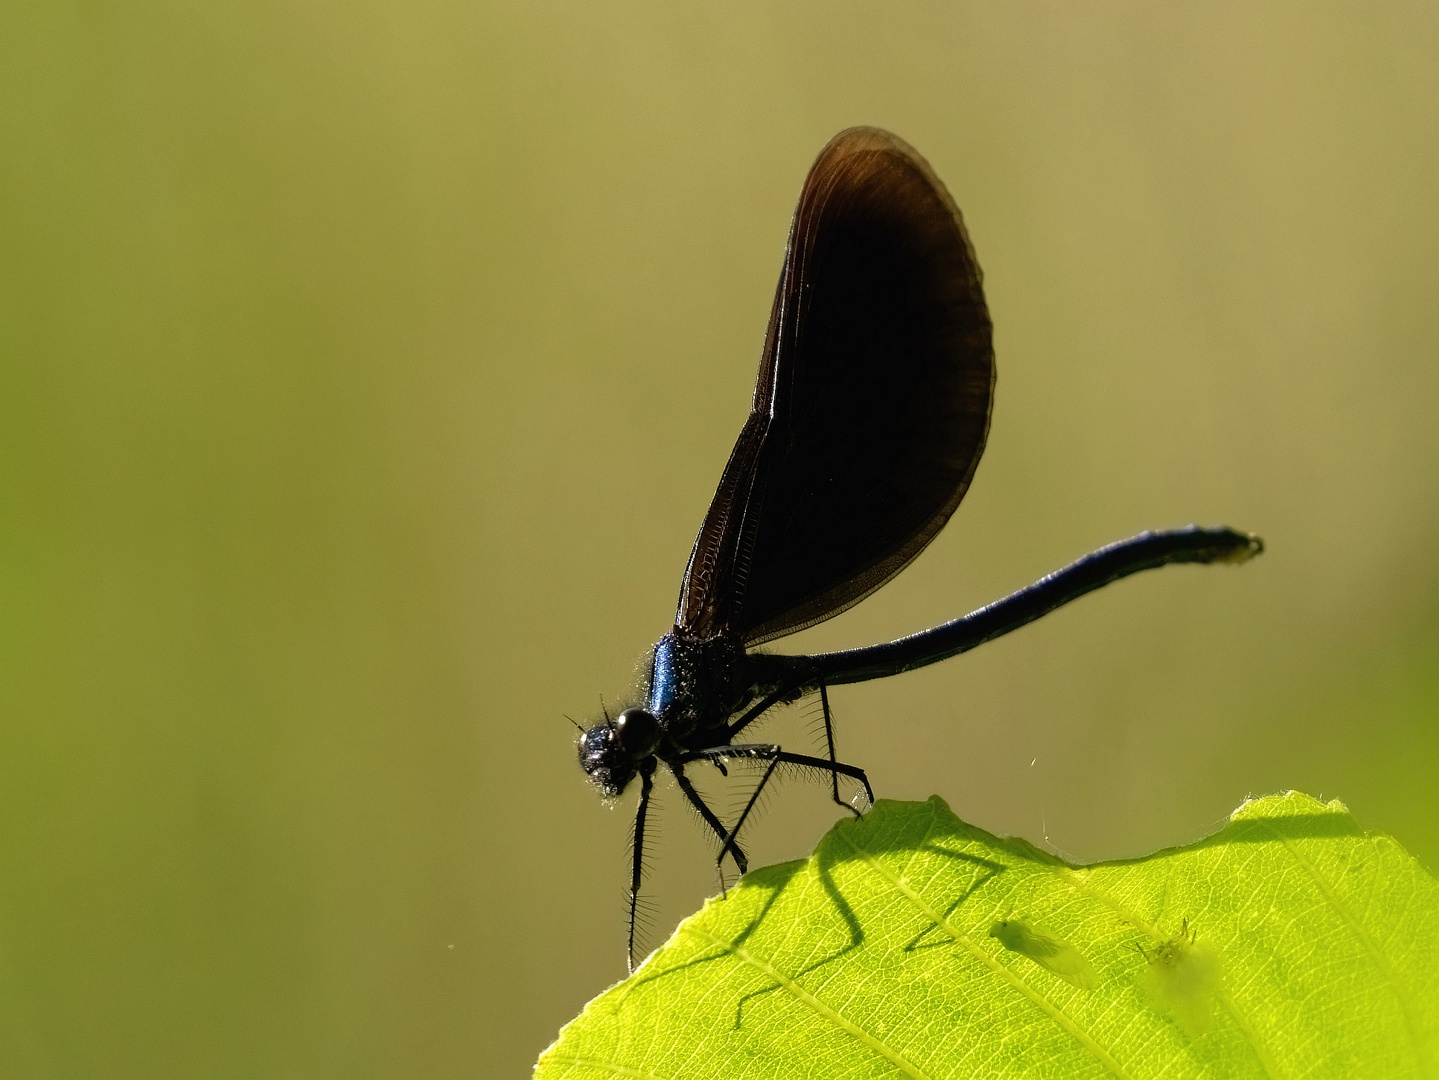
{"points": [[774, 755], [854, 772], [764, 705], [766, 751], [740, 861], [787, 692], [729, 840], [647, 783], [829, 744]]}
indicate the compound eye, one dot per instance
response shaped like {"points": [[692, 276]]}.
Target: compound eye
{"points": [[639, 732]]}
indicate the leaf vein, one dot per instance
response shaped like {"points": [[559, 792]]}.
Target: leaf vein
{"points": [[1406, 1004], [1081, 883], [1055, 1013], [800, 993], [607, 1066]]}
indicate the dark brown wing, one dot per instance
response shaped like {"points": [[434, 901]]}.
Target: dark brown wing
{"points": [[871, 408]]}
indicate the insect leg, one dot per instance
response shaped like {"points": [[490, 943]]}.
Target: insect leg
{"points": [[829, 744], [740, 861], [647, 783], [754, 713], [738, 825], [774, 755], [837, 767], [770, 752]]}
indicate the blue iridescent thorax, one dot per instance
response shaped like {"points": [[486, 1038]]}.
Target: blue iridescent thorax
{"points": [[664, 678], [695, 686]]}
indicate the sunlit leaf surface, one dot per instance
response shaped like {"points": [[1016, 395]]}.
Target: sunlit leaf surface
{"points": [[1288, 944]]}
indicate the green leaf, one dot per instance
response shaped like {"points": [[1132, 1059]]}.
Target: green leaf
{"points": [[1288, 944]]}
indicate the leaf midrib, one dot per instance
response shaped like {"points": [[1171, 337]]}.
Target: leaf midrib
{"points": [[607, 1066], [801, 994]]}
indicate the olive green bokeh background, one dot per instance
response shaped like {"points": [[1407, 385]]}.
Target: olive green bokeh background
{"points": [[367, 369]]}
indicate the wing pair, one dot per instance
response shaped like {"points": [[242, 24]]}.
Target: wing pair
{"points": [[871, 407]]}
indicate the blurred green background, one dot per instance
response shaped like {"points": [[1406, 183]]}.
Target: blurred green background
{"points": [[366, 368]]}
